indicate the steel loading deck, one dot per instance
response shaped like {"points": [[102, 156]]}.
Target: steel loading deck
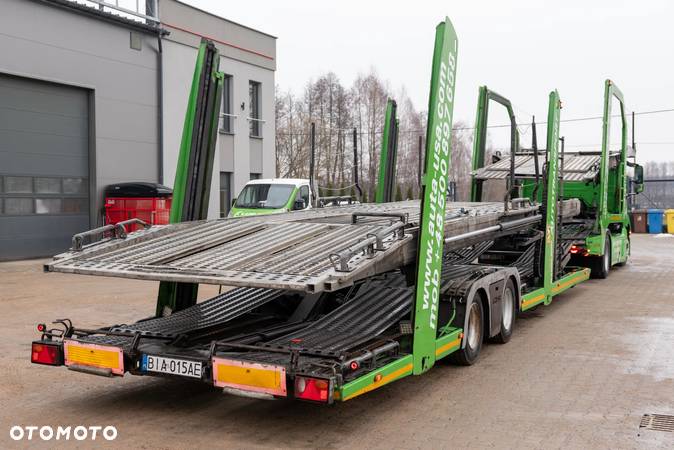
{"points": [[319, 250]]}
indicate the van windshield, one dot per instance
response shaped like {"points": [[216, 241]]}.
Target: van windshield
{"points": [[266, 196]]}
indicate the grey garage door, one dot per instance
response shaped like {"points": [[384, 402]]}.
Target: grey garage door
{"points": [[44, 167]]}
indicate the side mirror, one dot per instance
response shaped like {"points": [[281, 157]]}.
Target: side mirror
{"points": [[233, 202], [638, 178], [299, 204]]}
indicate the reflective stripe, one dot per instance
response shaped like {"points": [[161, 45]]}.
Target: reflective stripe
{"points": [[533, 300], [448, 346], [405, 370], [566, 283]]}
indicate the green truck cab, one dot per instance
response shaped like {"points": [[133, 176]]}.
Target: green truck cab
{"points": [[272, 196]]}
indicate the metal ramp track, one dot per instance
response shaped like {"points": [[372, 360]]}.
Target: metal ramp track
{"points": [[525, 262], [468, 254], [202, 316], [205, 315], [576, 231], [577, 167], [123, 342], [324, 249], [379, 306], [458, 273], [361, 319]]}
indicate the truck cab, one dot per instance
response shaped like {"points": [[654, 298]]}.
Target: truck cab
{"points": [[272, 196]]}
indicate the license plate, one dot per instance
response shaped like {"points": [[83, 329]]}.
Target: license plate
{"points": [[249, 376], [173, 366], [92, 355]]}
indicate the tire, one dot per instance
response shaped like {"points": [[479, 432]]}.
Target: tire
{"points": [[601, 265], [508, 314], [474, 335]]}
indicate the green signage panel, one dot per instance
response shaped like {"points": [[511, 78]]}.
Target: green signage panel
{"points": [[554, 106], [431, 233]]}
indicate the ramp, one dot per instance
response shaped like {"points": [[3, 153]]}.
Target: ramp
{"points": [[359, 320], [318, 250], [202, 317], [577, 167]]}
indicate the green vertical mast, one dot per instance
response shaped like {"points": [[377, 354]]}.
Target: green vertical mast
{"points": [[389, 152], [191, 189], [611, 91], [434, 192], [552, 204], [179, 185], [479, 142]]}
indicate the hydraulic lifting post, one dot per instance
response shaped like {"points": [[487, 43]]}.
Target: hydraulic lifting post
{"points": [[192, 186]]}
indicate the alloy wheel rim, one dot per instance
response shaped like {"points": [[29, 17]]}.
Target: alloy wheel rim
{"points": [[474, 326], [508, 303]]}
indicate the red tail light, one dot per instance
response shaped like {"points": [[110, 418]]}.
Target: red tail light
{"points": [[315, 389], [577, 250], [47, 353]]}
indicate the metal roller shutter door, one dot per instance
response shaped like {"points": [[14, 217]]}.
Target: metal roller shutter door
{"points": [[44, 166]]}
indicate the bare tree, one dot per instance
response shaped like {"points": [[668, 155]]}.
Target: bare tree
{"points": [[336, 110]]}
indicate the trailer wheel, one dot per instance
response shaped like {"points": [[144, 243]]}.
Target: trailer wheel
{"points": [[602, 265], [473, 335], [508, 314]]}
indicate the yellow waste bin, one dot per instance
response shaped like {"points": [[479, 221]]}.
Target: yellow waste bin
{"points": [[669, 220]]}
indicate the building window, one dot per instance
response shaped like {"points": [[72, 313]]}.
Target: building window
{"points": [[23, 195], [227, 122], [225, 193], [254, 104], [18, 185], [255, 176], [302, 195]]}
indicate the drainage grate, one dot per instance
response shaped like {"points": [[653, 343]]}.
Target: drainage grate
{"points": [[659, 422]]}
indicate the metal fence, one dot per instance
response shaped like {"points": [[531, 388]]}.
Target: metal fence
{"points": [[658, 193], [143, 11]]}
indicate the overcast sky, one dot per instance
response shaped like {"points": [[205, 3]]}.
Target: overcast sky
{"points": [[521, 49]]}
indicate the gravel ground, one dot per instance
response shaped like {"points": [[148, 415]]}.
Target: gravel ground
{"points": [[579, 373]]}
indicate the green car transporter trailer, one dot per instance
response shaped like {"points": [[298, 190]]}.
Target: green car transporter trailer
{"points": [[328, 304]]}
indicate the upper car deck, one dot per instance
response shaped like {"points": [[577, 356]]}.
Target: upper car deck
{"points": [[313, 251], [578, 166]]}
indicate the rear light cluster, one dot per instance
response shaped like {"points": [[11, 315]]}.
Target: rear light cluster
{"points": [[47, 353], [314, 389], [577, 250]]}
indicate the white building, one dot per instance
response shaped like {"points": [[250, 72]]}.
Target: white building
{"points": [[94, 94], [247, 128]]}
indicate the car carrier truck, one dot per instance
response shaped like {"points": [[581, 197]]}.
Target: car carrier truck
{"points": [[327, 304]]}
